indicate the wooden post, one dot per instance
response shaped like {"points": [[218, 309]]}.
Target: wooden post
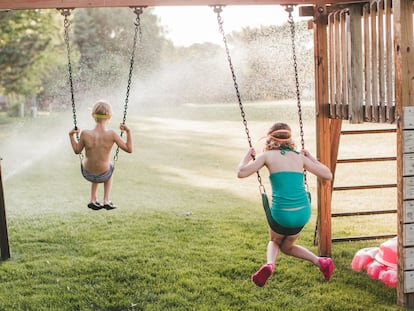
{"points": [[323, 139], [4, 238], [404, 64]]}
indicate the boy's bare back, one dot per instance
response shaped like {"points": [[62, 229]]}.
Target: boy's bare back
{"points": [[98, 144], [99, 141]]}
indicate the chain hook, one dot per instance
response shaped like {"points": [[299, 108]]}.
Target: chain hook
{"points": [[217, 8], [66, 12], [289, 9]]}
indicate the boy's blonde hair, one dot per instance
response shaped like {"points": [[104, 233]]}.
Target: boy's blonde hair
{"points": [[102, 109]]}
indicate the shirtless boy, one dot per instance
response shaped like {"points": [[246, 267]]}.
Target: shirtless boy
{"points": [[96, 166]]}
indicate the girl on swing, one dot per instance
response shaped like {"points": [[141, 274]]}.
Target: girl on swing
{"points": [[96, 167], [290, 207]]}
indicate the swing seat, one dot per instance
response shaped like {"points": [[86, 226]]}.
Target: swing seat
{"points": [[266, 207], [271, 222]]}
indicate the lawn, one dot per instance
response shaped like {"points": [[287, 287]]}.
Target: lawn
{"points": [[187, 234]]}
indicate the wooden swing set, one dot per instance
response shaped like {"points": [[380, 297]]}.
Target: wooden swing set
{"points": [[363, 73]]}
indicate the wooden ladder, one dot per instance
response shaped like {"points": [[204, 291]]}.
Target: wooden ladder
{"points": [[360, 187]]}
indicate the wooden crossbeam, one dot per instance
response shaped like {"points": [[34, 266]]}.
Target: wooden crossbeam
{"points": [[373, 131], [363, 238], [364, 213], [57, 4], [359, 160], [364, 187]]}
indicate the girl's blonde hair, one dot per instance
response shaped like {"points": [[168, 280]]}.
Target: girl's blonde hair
{"points": [[102, 108], [279, 137]]}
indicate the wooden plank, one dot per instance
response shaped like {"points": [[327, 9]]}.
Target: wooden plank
{"points": [[332, 64], [364, 213], [408, 137], [366, 187], [408, 118], [408, 211], [373, 131], [367, 65], [408, 187], [335, 128], [343, 19], [54, 4], [409, 282], [374, 61], [409, 258], [358, 160], [381, 62], [408, 235], [337, 50], [388, 61], [355, 65], [408, 164], [363, 238]]}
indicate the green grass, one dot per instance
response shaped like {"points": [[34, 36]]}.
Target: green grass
{"points": [[187, 234]]}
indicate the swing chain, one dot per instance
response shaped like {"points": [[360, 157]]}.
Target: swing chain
{"points": [[66, 24], [218, 9], [137, 37], [289, 9]]}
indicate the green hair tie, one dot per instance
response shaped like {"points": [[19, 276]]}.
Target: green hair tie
{"points": [[100, 116]]}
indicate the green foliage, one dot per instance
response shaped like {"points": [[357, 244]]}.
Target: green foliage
{"points": [[24, 37]]}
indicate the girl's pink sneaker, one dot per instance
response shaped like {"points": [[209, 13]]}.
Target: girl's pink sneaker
{"points": [[261, 276], [326, 266]]}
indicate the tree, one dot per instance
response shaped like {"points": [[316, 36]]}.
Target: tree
{"points": [[104, 38], [24, 36]]}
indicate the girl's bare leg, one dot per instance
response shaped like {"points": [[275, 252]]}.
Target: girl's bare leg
{"points": [[289, 248]]}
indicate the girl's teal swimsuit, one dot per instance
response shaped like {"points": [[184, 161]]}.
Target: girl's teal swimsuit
{"points": [[290, 209]]}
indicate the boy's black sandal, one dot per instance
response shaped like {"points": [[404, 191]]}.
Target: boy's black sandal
{"points": [[95, 206], [108, 206]]}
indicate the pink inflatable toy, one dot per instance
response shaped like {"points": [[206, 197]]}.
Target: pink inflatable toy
{"points": [[364, 257], [387, 254], [380, 262], [390, 278], [375, 270]]}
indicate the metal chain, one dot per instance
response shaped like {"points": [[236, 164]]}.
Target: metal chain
{"points": [[218, 10], [66, 24], [66, 13], [137, 37], [289, 9]]}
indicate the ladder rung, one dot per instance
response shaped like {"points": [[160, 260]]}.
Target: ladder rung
{"points": [[344, 214], [375, 131], [366, 160], [360, 238], [364, 187]]}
